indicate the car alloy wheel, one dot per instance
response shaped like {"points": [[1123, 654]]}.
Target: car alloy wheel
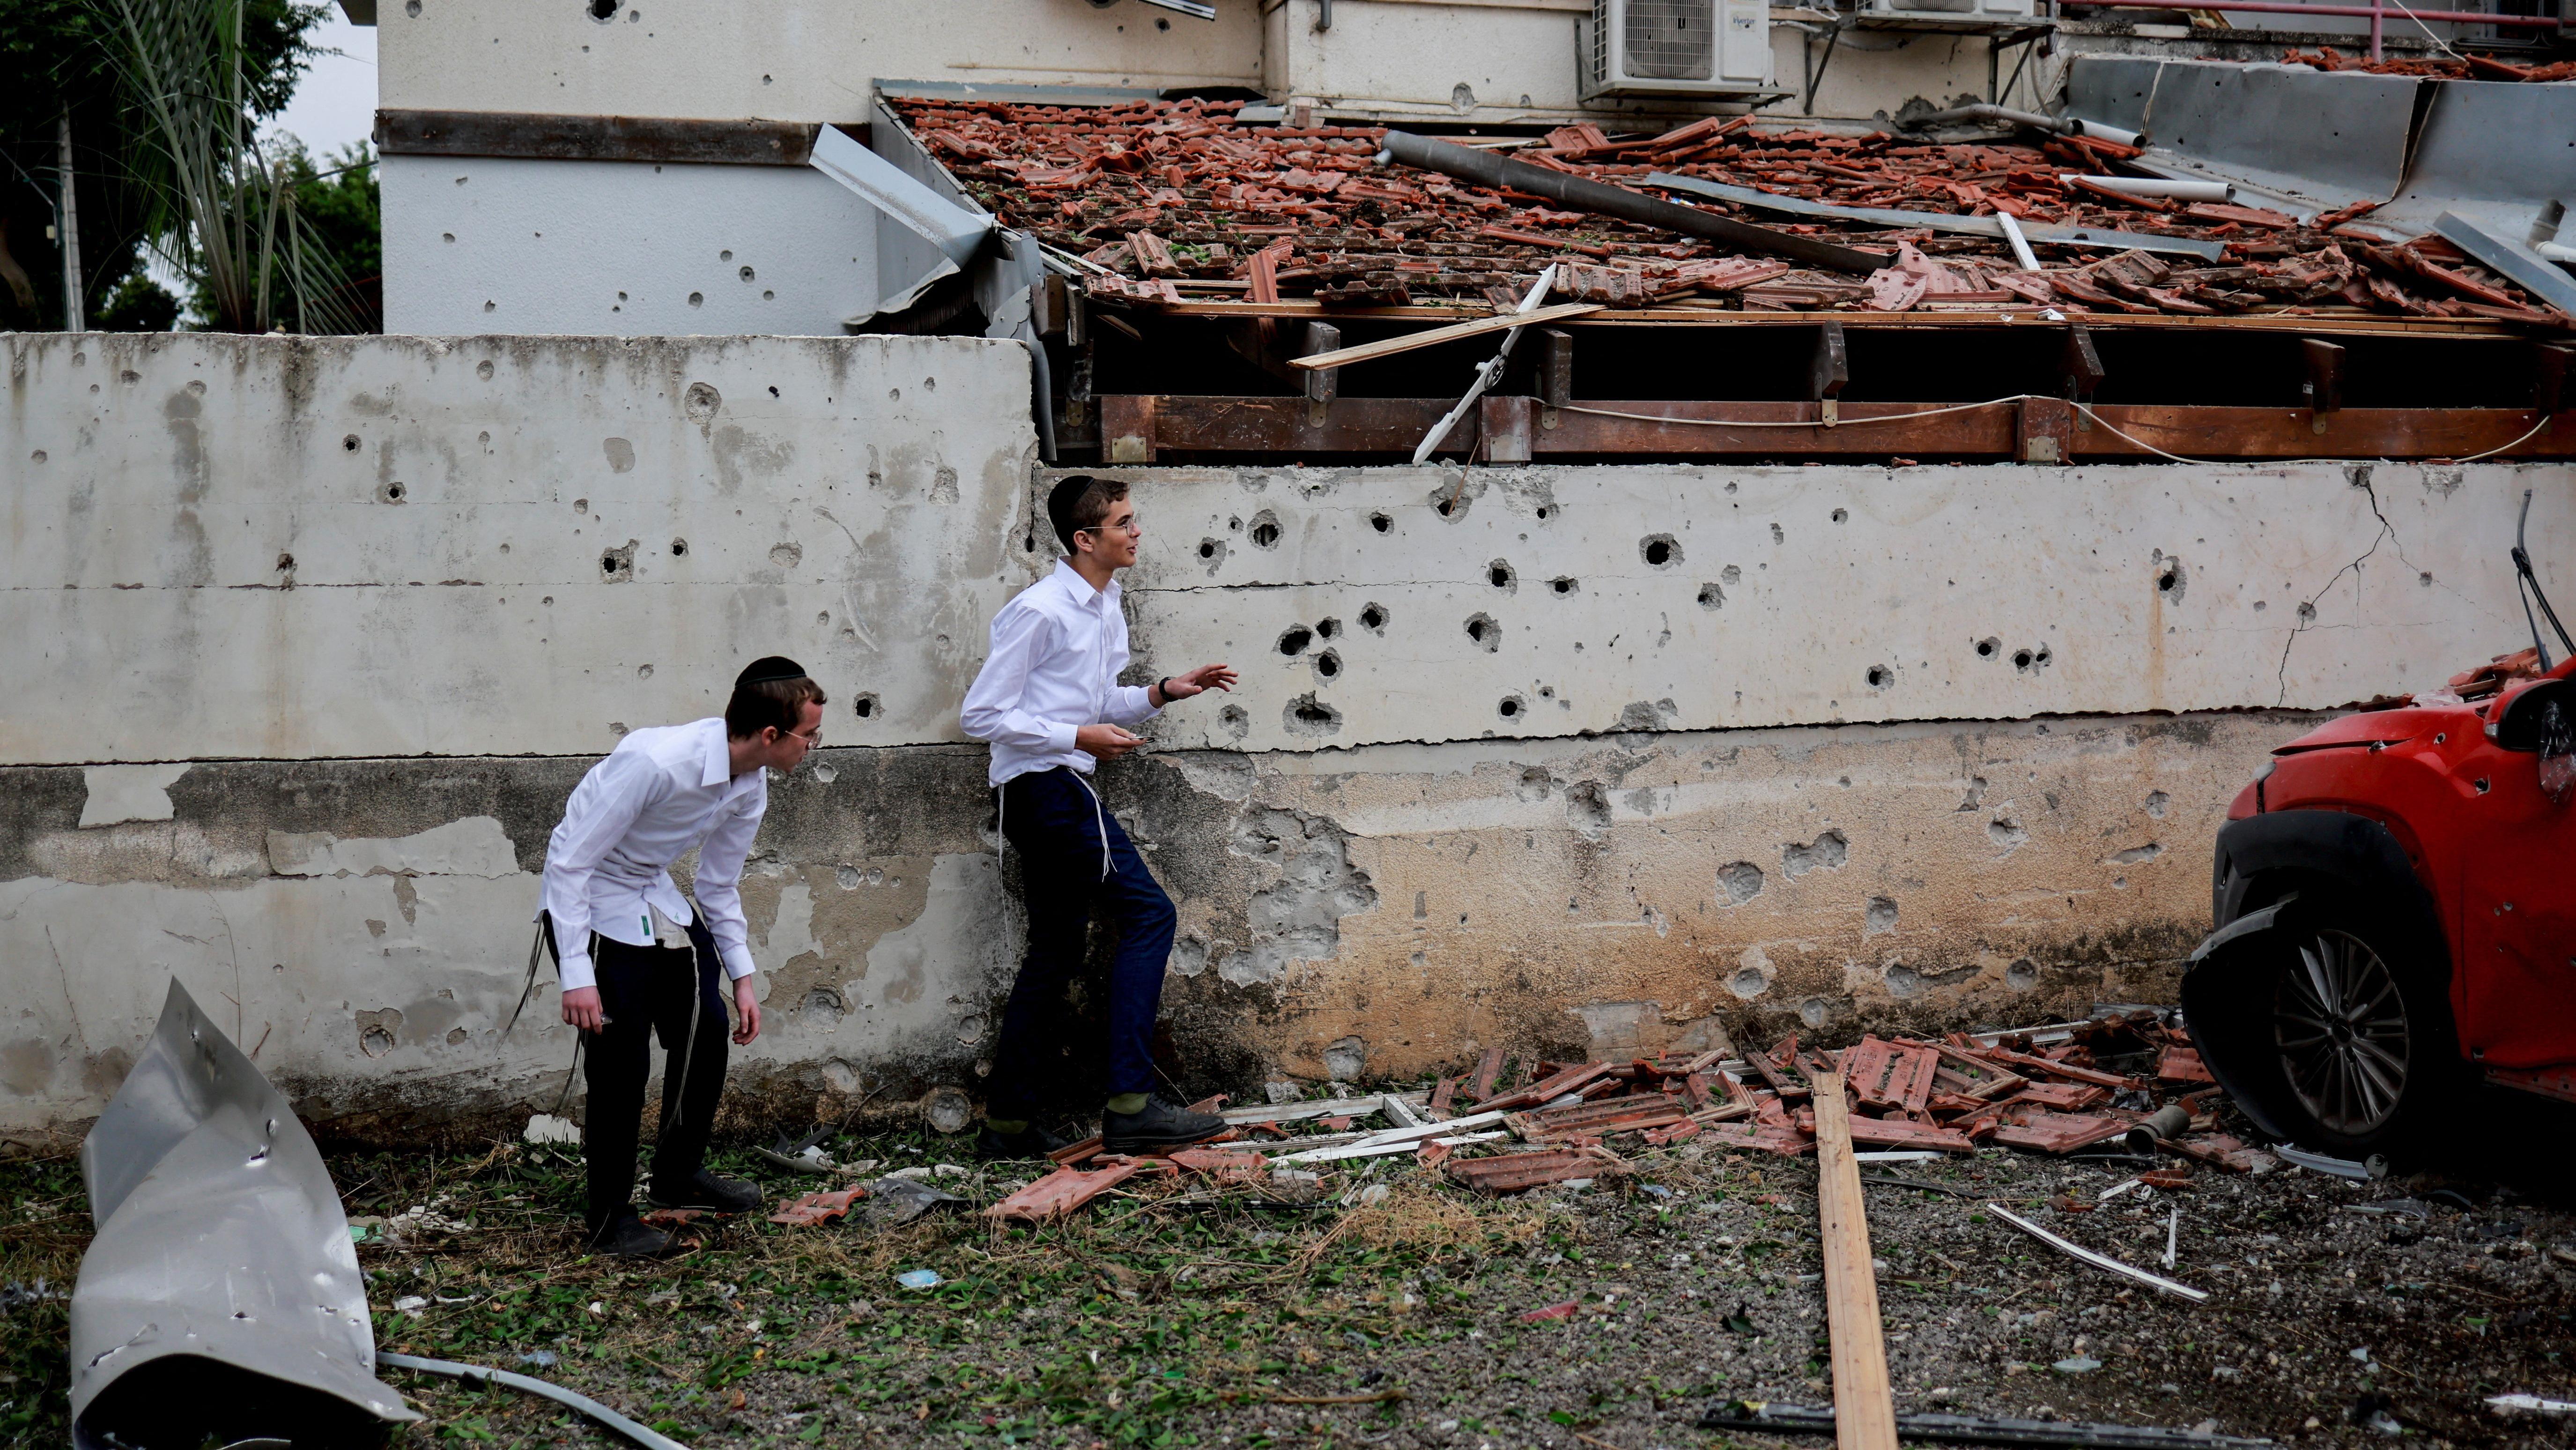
{"points": [[2341, 1025]]}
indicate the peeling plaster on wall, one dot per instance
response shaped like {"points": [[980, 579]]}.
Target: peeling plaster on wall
{"points": [[1493, 922], [121, 793]]}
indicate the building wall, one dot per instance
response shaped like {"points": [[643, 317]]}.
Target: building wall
{"points": [[629, 249], [785, 60], [298, 739]]}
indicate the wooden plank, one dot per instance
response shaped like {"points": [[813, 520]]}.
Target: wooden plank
{"points": [[1864, 1405], [1174, 423], [1389, 347], [542, 137]]}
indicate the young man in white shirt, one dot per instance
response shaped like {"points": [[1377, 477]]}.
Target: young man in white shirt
{"points": [[1049, 702], [636, 960]]}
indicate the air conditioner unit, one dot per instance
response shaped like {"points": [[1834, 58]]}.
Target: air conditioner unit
{"points": [[1676, 48], [1951, 10]]}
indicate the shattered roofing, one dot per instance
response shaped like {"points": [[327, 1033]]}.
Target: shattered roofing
{"points": [[1177, 201]]}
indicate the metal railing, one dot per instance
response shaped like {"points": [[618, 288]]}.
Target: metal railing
{"points": [[2378, 14]]}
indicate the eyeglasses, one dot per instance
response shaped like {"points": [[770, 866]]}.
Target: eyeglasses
{"points": [[810, 740], [1131, 529]]}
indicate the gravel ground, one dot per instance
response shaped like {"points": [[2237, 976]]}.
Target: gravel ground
{"points": [[1165, 1318]]}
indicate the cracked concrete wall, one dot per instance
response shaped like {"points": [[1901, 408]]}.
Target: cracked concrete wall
{"points": [[314, 637]]}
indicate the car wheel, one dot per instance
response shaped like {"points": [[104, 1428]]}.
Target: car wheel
{"points": [[2362, 1037]]}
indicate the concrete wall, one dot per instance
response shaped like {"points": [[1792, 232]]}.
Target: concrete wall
{"points": [[597, 248], [298, 738]]}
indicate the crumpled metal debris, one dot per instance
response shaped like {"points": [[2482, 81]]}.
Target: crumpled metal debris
{"points": [[220, 1300]]}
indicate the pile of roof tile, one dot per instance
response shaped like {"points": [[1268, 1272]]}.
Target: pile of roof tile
{"points": [[2465, 67], [1166, 202], [2103, 1080], [2091, 1083]]}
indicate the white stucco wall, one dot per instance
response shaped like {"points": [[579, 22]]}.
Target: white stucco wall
{"points": [[788, 60], [477, 245]]}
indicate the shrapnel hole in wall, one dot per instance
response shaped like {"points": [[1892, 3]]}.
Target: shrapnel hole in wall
{"points": [[1661, 551], [1294, 639], [1381, 522], [1373, 619]]}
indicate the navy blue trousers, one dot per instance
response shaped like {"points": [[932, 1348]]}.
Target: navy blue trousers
{"points": [[650, 992], [1056, 826]]}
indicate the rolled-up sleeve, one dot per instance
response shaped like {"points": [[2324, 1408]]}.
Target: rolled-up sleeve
{"points": [[596, 818], [719, 879], [995, 710]]}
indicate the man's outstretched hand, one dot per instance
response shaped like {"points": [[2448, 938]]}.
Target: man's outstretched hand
{"points": [[1199, 681]]}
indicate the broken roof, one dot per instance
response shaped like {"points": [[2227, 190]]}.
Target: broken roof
{"points": [[1170, 202]]}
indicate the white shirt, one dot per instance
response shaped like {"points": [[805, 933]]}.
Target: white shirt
{"points": [[1056, 653], [660, 792]]}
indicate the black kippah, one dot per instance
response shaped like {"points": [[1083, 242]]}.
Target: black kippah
{"points": [[1061, 501], [768, 670]]}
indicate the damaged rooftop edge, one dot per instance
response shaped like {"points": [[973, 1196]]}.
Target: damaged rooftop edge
{"points": [[1178, 230]]}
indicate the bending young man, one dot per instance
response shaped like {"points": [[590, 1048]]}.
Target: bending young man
{"points": [[1050, 704], [637, 960]]}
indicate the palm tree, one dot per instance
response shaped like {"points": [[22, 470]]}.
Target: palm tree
{"points": [[221, 209]]}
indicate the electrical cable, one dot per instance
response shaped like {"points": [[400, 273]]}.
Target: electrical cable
{"points": [[2104, 423], [470, 1373]]}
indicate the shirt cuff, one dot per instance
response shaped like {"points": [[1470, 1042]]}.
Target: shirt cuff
{"points": [[737, 963], [573, 972], [1060, 739]]}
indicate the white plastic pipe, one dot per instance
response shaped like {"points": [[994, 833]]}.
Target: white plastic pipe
{"points": [[2160, 187], [2100, 132], [2555, 251]]}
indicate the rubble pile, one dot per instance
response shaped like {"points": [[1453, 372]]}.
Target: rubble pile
{"points": [[2120, 1083], [2460, 68], [1172, 202]]}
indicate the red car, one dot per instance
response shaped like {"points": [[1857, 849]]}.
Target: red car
{"points": [[2395, 900]]}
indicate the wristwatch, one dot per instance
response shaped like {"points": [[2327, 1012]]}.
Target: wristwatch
{"points": [[1165, 685]]}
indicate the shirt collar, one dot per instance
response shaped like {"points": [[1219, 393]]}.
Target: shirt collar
{"points": [[1079, 589], [715, 756]]}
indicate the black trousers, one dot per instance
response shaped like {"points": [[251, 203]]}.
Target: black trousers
{"points": [[1075, 860], [650, 992]]}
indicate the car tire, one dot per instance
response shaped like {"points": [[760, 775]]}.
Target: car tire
{"points": [[2359, 1029]]}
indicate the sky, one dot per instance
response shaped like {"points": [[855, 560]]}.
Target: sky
{"points": [[335, 102]]}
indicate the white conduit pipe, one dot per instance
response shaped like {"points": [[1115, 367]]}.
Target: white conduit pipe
{"points": [[2158, 186]]}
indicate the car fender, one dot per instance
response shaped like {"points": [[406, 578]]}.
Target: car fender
{"points": [[2243, 926], [2342, 846], [2229, 1022]]}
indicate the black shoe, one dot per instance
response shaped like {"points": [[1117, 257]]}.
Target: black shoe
{"points": [[708, 1192], [1030, 1142], [1157, 1125], [629, 1237]]}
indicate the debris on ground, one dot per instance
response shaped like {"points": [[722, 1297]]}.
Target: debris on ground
{"points": [[2125, 1082], [1165, 202]]}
